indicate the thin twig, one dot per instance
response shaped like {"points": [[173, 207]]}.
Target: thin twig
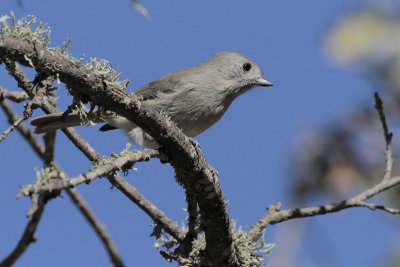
{"points": [[82, 205], [28, 235], [388, 138], [379, 107], [24, 130], [47, 156], [128, 190], [27, 113], [147, 206], [23, 81], [97, 226], [13, 96], [95, 172], [274, 215]]}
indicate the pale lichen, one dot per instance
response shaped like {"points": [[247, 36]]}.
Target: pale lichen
{"points": [[23, 28], [249, 253], [103, 68], [44, 176]]}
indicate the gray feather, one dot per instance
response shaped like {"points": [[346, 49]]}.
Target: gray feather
{"points": [[55, 121]]}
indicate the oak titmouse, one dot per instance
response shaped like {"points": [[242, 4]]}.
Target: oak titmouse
{"points": [[194, 98]]}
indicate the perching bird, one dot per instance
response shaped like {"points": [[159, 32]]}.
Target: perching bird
{"points": [[194, 98]]}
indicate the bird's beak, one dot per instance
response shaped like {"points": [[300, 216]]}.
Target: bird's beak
{"points": [[263, 82]]}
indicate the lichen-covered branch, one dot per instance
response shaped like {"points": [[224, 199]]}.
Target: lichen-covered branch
{"points": [[193, 224], [190, 166], [128, 190], [47, 156], [117, 164]]}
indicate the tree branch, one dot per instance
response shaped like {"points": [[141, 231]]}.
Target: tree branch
{"points": [[100, 229], [388, 137], [97, 171], [27, 113], [128, 190], [13, 96], [24, 130], [193, 224], [274, 215], [28, 235], [157, 215], [47, 155], [190, 166], [78, 200]]}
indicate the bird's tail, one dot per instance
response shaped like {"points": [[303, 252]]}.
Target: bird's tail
{"points": [[52, 122]]}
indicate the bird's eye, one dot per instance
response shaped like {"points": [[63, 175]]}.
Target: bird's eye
{"points": [[246, 66]]}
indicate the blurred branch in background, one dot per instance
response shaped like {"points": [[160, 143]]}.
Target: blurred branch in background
{"points": [[275, 215], [352, 147], [141, 9], [346, 155]]}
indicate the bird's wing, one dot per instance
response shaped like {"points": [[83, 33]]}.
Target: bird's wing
{"points": [[147, 92], [163, 85], [152, 90]]}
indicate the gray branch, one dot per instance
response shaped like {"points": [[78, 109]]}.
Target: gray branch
{"points": [[28, 235], [13, 96], [128, 190], [190, 165], [27, 113], [36, 210], [94, 173], [100, 229], [275, 215], [388, 138]]}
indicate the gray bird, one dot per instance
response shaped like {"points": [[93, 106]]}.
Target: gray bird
{"points": [[194, 98]]}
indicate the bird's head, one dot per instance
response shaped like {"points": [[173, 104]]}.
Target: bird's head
{"points": [[239, 73]]}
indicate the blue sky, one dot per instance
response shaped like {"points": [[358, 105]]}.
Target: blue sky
{"points": [[250, 146]]}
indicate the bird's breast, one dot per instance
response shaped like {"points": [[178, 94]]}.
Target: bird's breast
{"points": [[194, 110], [198, 118]]}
